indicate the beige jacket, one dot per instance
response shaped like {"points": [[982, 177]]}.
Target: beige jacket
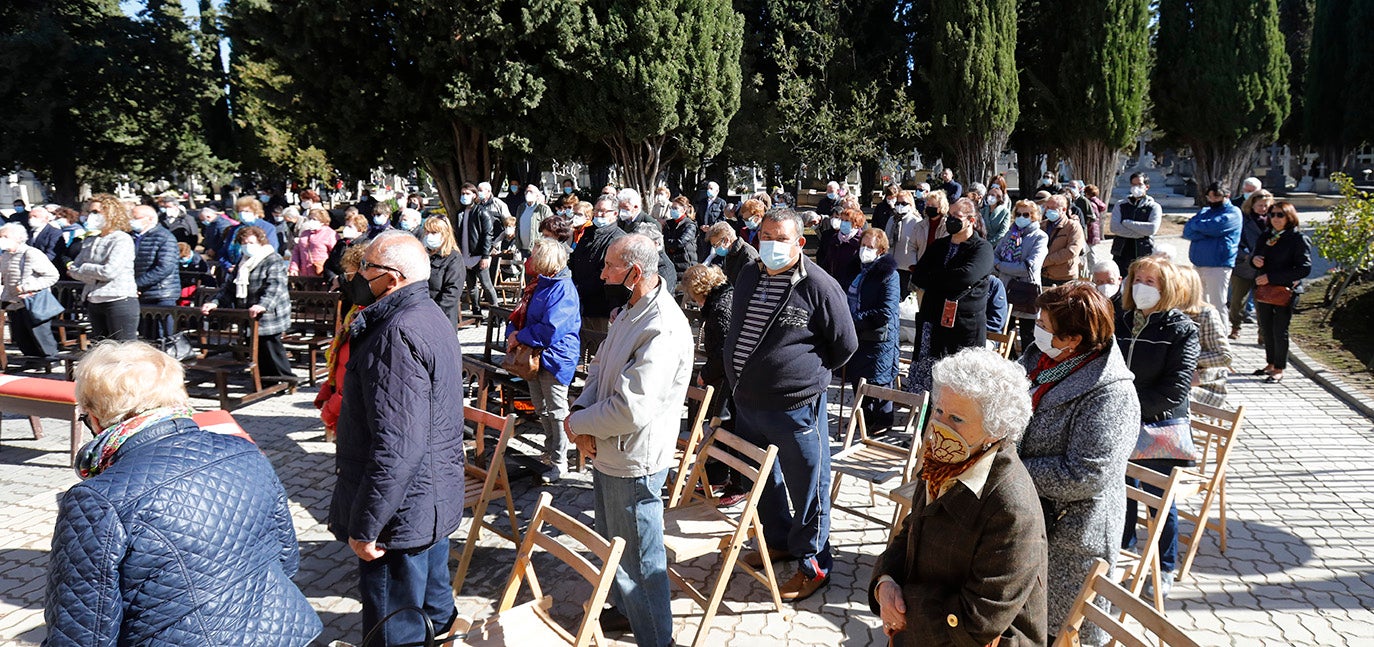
{"points": [[38, 273]]}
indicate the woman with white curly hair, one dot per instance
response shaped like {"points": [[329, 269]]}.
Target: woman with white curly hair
{"points": [[968, 565]]}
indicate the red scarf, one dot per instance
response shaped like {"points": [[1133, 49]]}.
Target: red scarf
{"points": [[1049, 372]]}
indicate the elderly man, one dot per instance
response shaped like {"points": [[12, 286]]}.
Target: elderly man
{"points": [[23, 271], [588, 260], [631, 213], [177, 221], [1215, 236], [43, 235], [213, 226], [1135, 222], [710, 210], [1248, 187], [155, 267], [729, 251], [640, 372], [399, 461], [790, 329]]}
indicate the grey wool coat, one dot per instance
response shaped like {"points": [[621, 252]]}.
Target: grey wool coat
{"points": [[1075, 449]]}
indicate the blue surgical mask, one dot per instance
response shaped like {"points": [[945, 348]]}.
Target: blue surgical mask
{"points": [[1052, 215], [846, 228], [567, 190], [832, 195], [466, 199], [775, 254], [722, 251], [920, 195], [432, 241], [710, 193], [751, 224], [602, 222], [1022, 222]]}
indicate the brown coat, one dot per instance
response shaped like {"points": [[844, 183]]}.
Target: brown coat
{"points": [[972, 569], [1065, 249]]}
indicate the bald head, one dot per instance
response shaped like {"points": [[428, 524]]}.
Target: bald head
{"points": [[402, 252]]}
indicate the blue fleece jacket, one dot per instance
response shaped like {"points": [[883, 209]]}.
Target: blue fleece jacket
{"points": [[1215, 236]]}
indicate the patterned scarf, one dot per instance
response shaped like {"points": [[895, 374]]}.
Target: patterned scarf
{"points": [[937, 473], [96, 456], [331, 354], [1048, 373]]}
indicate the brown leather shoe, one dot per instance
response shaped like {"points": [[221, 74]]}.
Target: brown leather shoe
{"points": [[802, 586], [1235, 332], [753, 559]]}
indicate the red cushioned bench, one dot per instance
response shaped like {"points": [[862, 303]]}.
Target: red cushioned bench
{"points": [[221, 422], [36, 398]]}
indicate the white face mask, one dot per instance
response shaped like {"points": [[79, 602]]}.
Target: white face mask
{"points": [[1144, 296], [95, 222], [7, 245], [867, 255], [992, 201], [531, 197], [349, 232], [662, 200], [253, 251], [902, 209], [891, 202], [510, 231], [1137, 191], [579, 221], [433, 241], [834, 223], [1108, 290], [310, 225], [1043, 340]]}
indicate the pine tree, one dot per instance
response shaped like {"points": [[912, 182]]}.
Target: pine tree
{"points": [[1220, 83], [973, 82]]}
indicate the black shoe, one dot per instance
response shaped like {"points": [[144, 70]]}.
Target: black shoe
{"points": [[1249, 318], [613, 621]]}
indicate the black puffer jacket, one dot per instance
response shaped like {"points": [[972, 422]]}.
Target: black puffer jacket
{"points": [[1163, 357], [715, 323], [399, 461], [447, 275], [586, 263], [680, 241]]}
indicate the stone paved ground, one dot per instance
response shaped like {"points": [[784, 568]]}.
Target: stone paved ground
{"points": [[1299, 569]]}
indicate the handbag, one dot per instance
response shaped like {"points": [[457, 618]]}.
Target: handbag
{"points": [[1021, 294], [1274, 295], [178, 345], [1171, 439], [522, 361], [41, 306]]}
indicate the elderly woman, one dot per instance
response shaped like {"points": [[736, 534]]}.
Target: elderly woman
{"points": [[1079, 437], [1064, 242], [1020, 255], [838, 254], [25, 270], [549, 319], [954, 273], [446, 270], [1214, 351], [706, 286], [873, 299], [750, 215], [106, 266], [258, 284], [124, 570], [967, 566], [313, 245], [729, 251], [329, 400], [1161, 347], [680, 234]]}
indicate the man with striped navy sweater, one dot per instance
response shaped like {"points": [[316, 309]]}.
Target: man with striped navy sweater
{"points": [[789, 331]]}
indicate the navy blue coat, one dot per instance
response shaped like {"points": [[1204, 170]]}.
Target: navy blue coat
{"points": [[155, 265], [553, 322], [876, 319], [46, 240], [186, 539], [399, 459]]}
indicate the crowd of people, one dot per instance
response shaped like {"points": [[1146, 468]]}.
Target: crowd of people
{"points": [[1110, 353]]}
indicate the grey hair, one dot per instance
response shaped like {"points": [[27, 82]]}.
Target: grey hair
{"points": [[977, 187], [786, 215], [652, 232], [548, 256], [16, 231], [713, 185], [1109, 267], [998, 385], [638, 249], [923, 186], [631, 196], [607, 198], [404, 252], [1252, 181], [484, 186], [721, 231]]}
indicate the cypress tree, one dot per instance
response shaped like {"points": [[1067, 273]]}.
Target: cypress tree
{"points": [[1359, 76], [1220, 83], [1295, 21], [1324, 105], [973, 82]]}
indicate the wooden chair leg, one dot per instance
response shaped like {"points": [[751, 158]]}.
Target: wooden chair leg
{"points": [[470, 546], [222, 384], [727, 567], [1221, 513], [37, 425], [77, 436]]}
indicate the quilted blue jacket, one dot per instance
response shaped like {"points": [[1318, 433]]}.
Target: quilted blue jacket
{"points": [[399, 457], [553, 322], [185, 540]]}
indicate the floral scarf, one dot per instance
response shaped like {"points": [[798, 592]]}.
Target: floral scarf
{"points": [[97, 456]]}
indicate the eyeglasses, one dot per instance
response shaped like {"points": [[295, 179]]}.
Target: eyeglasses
{"points": [[86, 420], [903, 204], [369, 265]]}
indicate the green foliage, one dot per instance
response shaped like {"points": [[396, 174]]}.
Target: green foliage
{"points": [[1326, 80], [1295, 21], [1220, 81], [973, 81], [1348, 237]]}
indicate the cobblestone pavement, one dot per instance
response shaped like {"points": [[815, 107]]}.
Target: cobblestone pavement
{"points": [[1299, 569]]}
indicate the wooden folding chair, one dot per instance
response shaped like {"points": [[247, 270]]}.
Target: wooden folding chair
{"points": [[1100, 584], [696, 527], [877, 462], [698, 405], [1214, 434], [531, 624], [483, 484], [1151, 512], [1005, 342], [510, 281]]}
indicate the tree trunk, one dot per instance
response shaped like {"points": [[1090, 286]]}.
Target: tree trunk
{"points": [[641, 161], [975, 157], [1094, 162], [1224, 162], [473, 161], [868, 180]]}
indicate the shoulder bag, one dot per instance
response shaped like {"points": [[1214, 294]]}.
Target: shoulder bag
{"points": [[522, 361], [41, 306], [1274, 295]]}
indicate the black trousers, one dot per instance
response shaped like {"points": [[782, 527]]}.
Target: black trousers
{"points": [[272, 358], [154, 330], [32, 341], [474, 291], [1273, 325], [114, 319]]}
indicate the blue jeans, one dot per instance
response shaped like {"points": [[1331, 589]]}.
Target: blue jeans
{"points": [[1168, 539], [801, 474], [407, 578], [632, 509]]}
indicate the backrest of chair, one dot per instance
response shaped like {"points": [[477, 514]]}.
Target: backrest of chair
{"points": [[68, 293], [496, 469], [1004, 340], [1100, 584], [1153, 509], [698, 405], [497, 318], [600, 577], [316, 313], [307, 283], [916, 407], [751, 461], [1214, 433], [189, 279]]}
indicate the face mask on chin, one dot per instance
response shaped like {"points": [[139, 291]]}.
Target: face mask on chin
{"points": [[618, 294]]}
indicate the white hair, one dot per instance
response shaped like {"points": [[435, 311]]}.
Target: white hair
{"points": [[15, 231], [39, 211], [924, 186], [631, 196], [998, 386], [637, 249], [652, 232], [1109, 267], [832, 185], [404, 252], [1252, 181], [977, 187], [713, 185], [411, 213], [484, 186], [538, 191]]}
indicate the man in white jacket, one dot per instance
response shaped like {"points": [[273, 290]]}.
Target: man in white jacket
{"points": [[640, 372]]}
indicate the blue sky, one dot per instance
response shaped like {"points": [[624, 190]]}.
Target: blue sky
{"points": [[192, 7]]}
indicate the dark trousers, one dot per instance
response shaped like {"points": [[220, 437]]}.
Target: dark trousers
{"points": [[1273, 326], [801, 476], [114, 319], [32, 341], [877, 412], [272, 358], [474, 290], [1168, 539], [415, 578], [163, 327], [904, 282], [1025, 333]]}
